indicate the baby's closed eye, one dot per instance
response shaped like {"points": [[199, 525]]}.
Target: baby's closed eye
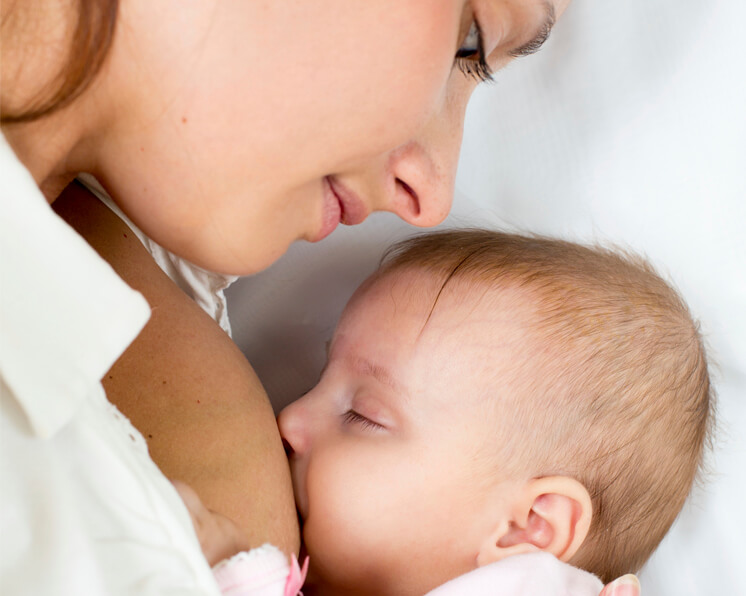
{"points": [[353, 417]]}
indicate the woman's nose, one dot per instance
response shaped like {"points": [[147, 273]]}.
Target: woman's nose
{"points": [[420, 175], [418, 188]]}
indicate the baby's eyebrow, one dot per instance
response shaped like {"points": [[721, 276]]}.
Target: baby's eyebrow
{"points": [[378, 372], [542, 34]]}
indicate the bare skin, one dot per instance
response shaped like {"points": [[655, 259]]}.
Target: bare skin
{"points": [[199, 405], [227, 166], [154, 132], [191, 393]]}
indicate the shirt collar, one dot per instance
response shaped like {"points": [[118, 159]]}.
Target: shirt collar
{"points": [[65, 315]]}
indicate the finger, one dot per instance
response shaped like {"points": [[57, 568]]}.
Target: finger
{"points": [[627, 585], [192, 501], [185, 491]]}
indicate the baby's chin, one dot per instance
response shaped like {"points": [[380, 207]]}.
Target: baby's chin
{"points": [[315, 587], [316, 584], [319, 583], [335, 571], [324, 579]]}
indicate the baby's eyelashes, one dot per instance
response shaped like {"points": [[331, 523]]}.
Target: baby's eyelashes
{"points": [[353, 417]]}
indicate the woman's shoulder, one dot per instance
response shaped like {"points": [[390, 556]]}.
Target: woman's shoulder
{"points": [[206, 288]]}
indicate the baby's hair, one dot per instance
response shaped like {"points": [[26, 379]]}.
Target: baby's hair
{"points": [[623, 397]]}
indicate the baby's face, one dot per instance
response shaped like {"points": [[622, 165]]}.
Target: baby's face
{"points": [[395, 452]]}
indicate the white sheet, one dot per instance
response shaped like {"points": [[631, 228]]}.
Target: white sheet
{"points": [[629, 126]]}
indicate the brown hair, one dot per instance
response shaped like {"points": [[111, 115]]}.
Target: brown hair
{"points": [[623, 397], [91, 40]]}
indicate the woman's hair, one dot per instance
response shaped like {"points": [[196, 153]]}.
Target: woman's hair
{"points": [[91, 40], [620, 389]]}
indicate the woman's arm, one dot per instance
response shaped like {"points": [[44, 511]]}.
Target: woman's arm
{"points": [[192, 394]]}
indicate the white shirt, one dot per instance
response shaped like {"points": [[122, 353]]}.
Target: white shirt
{"points": [[83, 508]]}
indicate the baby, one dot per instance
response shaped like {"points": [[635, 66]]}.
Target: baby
{"points": [[489, 395]]}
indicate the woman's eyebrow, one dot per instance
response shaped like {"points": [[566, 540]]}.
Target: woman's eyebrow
{"points": [[542, 34]]}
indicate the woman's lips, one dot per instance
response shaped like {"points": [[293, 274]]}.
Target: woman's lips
{"points": [[340, 206], [353, 209]]}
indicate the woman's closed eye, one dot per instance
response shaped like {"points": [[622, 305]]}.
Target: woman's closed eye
{"points": [[470, 57], [353, 417]]}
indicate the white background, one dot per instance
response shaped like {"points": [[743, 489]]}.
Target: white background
{"points": [[630, 127]]}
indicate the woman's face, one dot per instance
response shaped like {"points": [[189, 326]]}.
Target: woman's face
{"points": [[240, 126]]}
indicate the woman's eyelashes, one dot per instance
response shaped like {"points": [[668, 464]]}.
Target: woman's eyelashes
{"points": [[353, 417], [470, 57]]}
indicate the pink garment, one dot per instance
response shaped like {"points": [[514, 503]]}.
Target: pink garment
{"points": [[262, 571], [265, 571], [535, 574]]}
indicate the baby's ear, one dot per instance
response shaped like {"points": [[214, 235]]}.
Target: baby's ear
{"points": [[551, 514]]}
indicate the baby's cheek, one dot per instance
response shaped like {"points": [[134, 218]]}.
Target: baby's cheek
{"points": [[326, 537], [333, 498], [339, 531]]}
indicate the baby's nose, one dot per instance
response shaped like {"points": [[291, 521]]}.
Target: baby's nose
{"points": [[292, 427], [288, 447]]}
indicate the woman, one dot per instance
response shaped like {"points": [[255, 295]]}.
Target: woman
{"points": [[225, 131]]}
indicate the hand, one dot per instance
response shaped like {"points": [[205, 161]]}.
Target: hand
{"points": [[627, 585], [219, 537]]}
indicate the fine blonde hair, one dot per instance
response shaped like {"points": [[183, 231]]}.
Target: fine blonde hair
{"points": [[623, 396]]}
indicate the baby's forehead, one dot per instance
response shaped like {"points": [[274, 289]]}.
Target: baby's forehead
{"points": [[428, 309], [429, 336], [440, 294]]}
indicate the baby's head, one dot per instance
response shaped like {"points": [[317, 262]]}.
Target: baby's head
{"points": [[488, 394]]}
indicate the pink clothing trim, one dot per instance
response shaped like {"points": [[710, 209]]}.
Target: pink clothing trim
{"points": [[296, 577], [262, 571]]}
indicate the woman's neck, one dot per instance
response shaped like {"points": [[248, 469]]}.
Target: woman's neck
{"points": [[45, 151]]}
